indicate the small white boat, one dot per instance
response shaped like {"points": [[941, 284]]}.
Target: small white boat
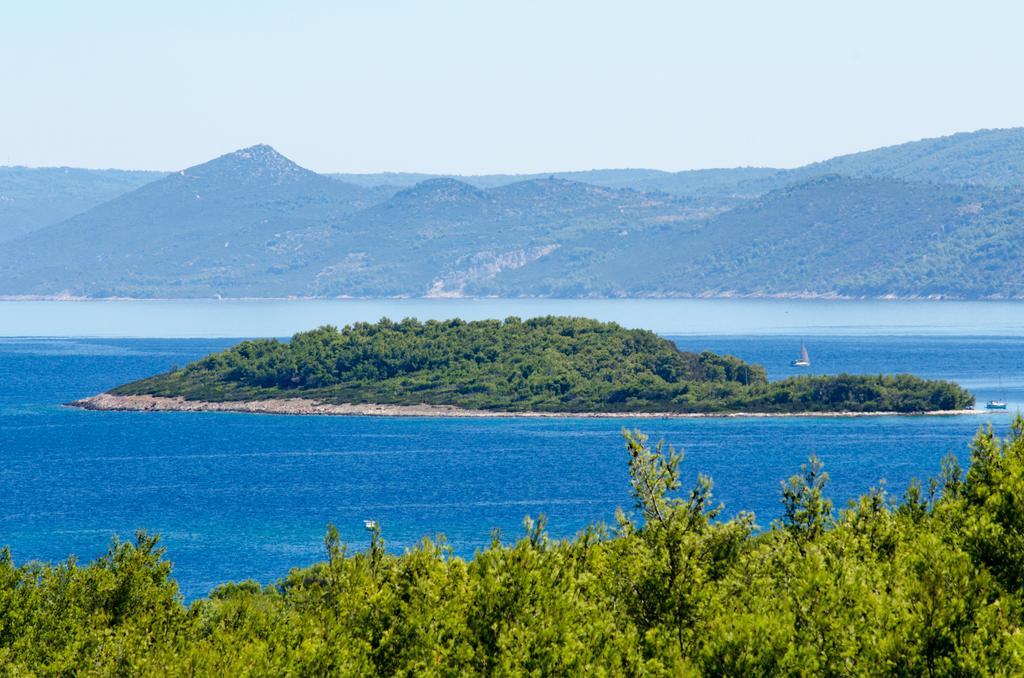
{"points": [[804, 360], [997, 403], [370, 524]]}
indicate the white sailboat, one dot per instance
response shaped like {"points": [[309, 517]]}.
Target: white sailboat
{"points": [[999, 404], [804, 360]]}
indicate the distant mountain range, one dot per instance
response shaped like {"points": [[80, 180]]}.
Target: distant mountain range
{"points": [[988, 157], [933, 218], [31, 198]]}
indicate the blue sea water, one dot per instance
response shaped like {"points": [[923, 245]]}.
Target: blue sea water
{"points": [[248, 318], [238, 496]]}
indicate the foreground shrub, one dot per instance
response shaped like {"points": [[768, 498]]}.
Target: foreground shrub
{"points": [[930, 584]]}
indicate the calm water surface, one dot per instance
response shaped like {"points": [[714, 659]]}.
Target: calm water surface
{"points": [[210, 318], [238, 496]]}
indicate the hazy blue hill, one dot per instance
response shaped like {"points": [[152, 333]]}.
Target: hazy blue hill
{"points": [[252, 223], [553, 194], [398, 180], [31, 197], [225, 223], [716, 182], [828, 235], [836, 235], [986, 157], [446, 237], [397, 247], [989, 157], [440, 196], [723, 182]]}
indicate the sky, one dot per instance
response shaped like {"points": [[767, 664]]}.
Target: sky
{"points": [[484, 87]]}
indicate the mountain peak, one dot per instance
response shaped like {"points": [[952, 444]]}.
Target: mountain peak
{"points": [[446, 184], [258, 151], [555, 190], [442, 190], [259, 163]]}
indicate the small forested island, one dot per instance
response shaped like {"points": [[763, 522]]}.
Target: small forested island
{"points": [[542, 366]]}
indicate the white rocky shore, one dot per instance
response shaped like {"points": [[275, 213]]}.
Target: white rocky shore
{"points": [[304, 406]]}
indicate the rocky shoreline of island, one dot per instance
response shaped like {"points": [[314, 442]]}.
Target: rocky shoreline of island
{"points": [[303, 406]]}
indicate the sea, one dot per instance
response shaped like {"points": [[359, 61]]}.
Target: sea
{"points": [[241, 496]]}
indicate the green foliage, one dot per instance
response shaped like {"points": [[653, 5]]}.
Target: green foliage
{"points": [[807, 512], [931, 585], [550, 364]]}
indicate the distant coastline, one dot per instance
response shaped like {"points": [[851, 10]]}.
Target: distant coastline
{"points": [[722, 295], [110, 402], [716, 296]]}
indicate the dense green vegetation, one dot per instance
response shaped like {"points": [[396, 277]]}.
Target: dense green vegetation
{"points": [[930, 584], [552, 364]]}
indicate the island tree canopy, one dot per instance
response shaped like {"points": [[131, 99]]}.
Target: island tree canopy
{"points": [[549, 364]]}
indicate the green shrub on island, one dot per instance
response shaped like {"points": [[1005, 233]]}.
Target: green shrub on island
{"points": [[930, 584], [549, 364]]}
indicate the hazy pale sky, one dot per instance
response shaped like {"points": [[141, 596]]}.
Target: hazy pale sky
{"points": [[515, 86]]}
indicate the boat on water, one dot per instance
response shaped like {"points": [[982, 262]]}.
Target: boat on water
{"points": [[370, 524], [804, 360], [1000, 402]]}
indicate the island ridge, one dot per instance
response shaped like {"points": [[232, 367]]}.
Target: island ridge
{"points": [[542, 366]]}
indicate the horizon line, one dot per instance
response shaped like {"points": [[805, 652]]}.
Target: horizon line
{"points": [[782, 167]]}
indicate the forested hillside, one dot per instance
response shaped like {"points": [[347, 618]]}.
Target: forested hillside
{"points": [[254, 224], [550, 364], [829, 236], [688, 183], [34, 197], [930, 582], [991, 157], [218, 227], [934, 218]]}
